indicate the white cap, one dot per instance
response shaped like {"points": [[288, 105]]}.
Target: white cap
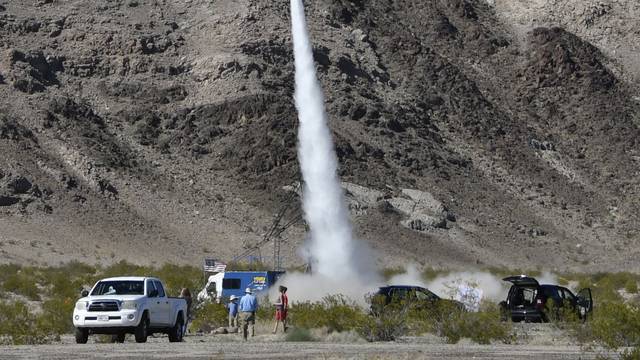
{"points": [[248, 291]]}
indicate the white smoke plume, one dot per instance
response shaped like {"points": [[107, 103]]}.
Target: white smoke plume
{"points": [[340, 263], [454, 284]]}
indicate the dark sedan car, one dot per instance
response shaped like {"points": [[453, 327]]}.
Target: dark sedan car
{"points": [[412, 295], [531, 301]]}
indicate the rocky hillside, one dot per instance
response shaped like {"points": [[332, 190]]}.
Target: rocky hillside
{"points": [[469, 132]]}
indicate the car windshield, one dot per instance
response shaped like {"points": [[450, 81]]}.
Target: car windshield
{"points": [[119, 287]]}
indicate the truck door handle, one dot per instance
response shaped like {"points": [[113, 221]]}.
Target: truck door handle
{"points": [[158, 302]]}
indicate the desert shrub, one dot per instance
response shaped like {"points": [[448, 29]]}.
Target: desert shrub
{"points": [[7, 270], [55, 318], [562, 315], [630, 354], [444, 318], [22, 283], [615, 325], [175, 277], [631, 286], [438, 319], [266, 310], [67, 280], [123, 268], [247, 266], [19, 324], [334, 312], [606, 286], [209, 316], [299, 335], [386, 322], [482, 327]]}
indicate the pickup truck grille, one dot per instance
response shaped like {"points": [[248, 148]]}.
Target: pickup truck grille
{"points": [[103, 306]]}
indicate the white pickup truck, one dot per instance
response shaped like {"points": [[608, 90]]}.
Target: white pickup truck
{"points": [[134, 305]]}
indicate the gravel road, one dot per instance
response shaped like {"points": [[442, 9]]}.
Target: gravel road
{"points": [[210, 348]]}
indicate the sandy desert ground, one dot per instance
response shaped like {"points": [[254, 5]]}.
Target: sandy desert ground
{"points": [[268, 347]]}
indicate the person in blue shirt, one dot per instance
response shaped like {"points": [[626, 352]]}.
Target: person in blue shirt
{"points": [[248, 306], [232, 306]]}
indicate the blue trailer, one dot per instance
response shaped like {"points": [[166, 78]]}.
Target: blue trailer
{"points": [[224, 284]]}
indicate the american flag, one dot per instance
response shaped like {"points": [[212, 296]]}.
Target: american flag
{"points": [[211, 265]]}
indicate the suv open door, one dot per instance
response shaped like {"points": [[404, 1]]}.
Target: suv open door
{"points": [[585, 302]]}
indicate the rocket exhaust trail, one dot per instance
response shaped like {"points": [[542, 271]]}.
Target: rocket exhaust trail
{"points": [[334, 252]]}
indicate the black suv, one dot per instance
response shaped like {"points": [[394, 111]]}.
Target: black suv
{"points": [[530, 301], [413, 295]]}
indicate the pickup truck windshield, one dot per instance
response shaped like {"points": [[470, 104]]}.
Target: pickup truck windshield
{"points": [[118, 288]]}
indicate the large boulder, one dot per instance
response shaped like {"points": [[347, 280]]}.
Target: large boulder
{"points": [[422, 210]]}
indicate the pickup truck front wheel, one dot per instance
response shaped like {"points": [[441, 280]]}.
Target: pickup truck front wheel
{"points": [[142, 329], [176, 332], [82, 335]]}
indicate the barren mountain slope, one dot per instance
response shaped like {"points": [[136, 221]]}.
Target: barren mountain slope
{"points": [[160, 131]]}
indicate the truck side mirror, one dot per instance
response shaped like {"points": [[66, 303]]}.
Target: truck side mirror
{"points": [[153, 293], [84, 293]]}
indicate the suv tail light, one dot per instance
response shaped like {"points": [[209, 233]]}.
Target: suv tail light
{"points": [[539, 304]]}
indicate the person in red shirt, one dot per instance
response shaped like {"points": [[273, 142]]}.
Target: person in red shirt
{"points": [[282, 305]]}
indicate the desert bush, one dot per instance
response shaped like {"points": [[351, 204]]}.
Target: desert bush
{"points": [[631, 286], [209, 316], [299, 335], [266, 310], [444, 318], [386, 322], [247, 266], [123, 268], [175, 277], [606, 286], [630, 354], [482, 327], [563, 315], [7, 270], [67, 280], [55, 318], [22, 283], [614, 324], [19, 324], [334, 312]]}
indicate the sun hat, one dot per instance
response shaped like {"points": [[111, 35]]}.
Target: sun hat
{"points": [[248, 291], [233, 297]]}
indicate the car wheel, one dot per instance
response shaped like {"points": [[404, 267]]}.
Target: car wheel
{"points": [[82, 335], [142, 330], [176, 332]]}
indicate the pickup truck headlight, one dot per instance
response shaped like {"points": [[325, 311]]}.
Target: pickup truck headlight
{"points": [[81, 305], [129, 305]]}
